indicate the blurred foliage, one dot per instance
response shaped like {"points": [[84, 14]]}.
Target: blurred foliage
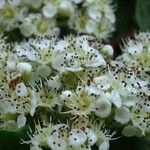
{"points": [[11, 140], [143, 14], [131, 16]]}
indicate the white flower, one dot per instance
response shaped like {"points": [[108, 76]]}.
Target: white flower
{"points": [[136, 52], [43, 95], [73, 54], [103, 135], [140, 114], [94, 16], [37, 24], [27, 28], [11, 14], [133, 47], [40, 135], [13, 63], [79, 102], [25, 50]]}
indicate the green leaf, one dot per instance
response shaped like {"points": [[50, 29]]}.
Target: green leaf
{"points": [[143, 14], [11, 140]]}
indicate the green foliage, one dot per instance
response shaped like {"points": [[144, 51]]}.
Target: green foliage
{"points": [[11, 140], [143, 14]]}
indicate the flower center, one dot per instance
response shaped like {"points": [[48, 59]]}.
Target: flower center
{"points": [[42, 26], [8, 12]]}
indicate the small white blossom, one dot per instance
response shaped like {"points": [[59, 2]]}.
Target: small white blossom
{"points": [[49, 11]]}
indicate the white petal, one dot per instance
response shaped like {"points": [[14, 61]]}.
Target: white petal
{"points": [[29, 52], [135, 47], [27, 29], [77, 1], [2, 3], [129, 101], [102, 108], [66, 5], [14, 2], [54, 82], [65, 95], [77, 137], [21, 89], [108, 49], [103, 82], [42, 71], [59, 126], [21, 120], [96, 62], [12, 61], [110, 15], [57, 63], [129, 131], [89, 1], [91, 89], [35, 3], [35, 147], [56, 143], [56, 31], [90, 26], [61, 45], [92, 138], [24, 67], [11, 125], [122, 115], [33, 103], [94, 14], [49, 10], [104, 145], [116, 99]]}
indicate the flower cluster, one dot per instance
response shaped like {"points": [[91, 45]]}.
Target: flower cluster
{"points": [[75, 82], [97, 17], [80, 135], [45, 17]]}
